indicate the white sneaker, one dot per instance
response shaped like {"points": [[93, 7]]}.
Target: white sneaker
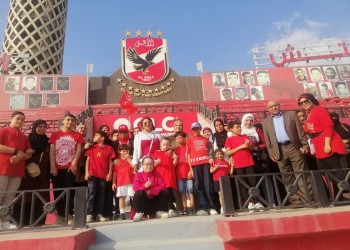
{"points": [[138, 217], [89, 218], [259, 206], [202, 213], [213, 212], [7, 225], [251, 207], [172, 213]]}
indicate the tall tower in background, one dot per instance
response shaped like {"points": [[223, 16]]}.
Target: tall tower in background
{"points": [[36, 28]]}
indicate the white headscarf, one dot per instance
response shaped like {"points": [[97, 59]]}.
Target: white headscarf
{"points": [[251, 132]]}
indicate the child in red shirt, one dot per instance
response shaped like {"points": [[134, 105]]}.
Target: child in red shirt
{"points": [[199, 158], [220, 167], [239, 147], [164, 165], [183, 173], [98, 170], [123, 176]]}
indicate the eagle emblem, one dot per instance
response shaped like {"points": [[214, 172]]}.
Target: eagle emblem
{"points": [[145, 59]]}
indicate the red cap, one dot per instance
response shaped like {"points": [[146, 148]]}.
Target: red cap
{"points": [[123, 128]]}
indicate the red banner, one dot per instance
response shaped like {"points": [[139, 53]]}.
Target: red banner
{"points": [[277, 83], [163, 123]]}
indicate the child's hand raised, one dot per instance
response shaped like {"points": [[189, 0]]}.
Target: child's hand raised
{"points": [[148, 183]]}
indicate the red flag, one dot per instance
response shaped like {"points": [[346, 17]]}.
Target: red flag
{"points": [[126, 103]]}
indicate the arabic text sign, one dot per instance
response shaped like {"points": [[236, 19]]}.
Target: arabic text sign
{"points": [[145, 59]]}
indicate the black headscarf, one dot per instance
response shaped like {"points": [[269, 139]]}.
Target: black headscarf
{"points": [[38, 142], [219, 137]]}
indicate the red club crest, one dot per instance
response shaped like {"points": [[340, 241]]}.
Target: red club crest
{"points": [[145, 59]]}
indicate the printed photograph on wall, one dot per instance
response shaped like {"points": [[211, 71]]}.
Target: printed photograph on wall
{"points": [[226, 94], [316, 74], [29, 83], [218, 79], [311, 88], [344, 71], [326, 89], [63, 83], [300, 74], [35, 101], [256, 93], [248, 77], [341, 89], [17, 101], [52, 99], [331, 73], [233, 79], [11, 84], [46, 83], [241, 93], [263, 77]]}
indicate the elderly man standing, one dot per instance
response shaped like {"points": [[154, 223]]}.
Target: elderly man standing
{"points": [[286, 143]]}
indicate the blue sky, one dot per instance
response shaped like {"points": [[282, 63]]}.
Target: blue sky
{"points": [[219, 33]]}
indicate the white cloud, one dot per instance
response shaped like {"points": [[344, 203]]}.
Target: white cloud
{"points": [[296, 30]]}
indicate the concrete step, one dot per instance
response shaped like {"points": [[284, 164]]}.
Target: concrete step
{"points": [[187, 232], [209, 243]]}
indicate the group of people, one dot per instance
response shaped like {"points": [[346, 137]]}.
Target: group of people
{"points": [[168, 176]]}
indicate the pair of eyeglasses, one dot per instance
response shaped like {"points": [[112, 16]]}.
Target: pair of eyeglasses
{"points": [[303, 102]]}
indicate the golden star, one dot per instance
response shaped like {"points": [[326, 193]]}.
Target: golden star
{"points": [[150, 91], [159, 33], [124, 84], [143, 91], [156, 89], [168, 84], [127, 33], [149, 33], [138, 32], [119, 80], [131, 93], [130, 88], [162, 87], [137, 90], [172, 80]]}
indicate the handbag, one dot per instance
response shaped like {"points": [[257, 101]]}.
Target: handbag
{"points": [[33, 169]]}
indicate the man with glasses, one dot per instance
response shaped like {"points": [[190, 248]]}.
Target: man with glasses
{"points": [[287, 144]]}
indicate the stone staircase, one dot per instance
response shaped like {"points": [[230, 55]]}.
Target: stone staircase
{"points": [[186, 232]]}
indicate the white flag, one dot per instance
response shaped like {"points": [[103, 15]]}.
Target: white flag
{"points": [[200, 66]]}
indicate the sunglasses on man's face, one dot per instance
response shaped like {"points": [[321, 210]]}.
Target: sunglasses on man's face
{"points": [[303, 102]]}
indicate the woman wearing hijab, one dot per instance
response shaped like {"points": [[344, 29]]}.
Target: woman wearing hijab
{"points": [[329, 148], [39, 142], [259, 154], [220, 136]]}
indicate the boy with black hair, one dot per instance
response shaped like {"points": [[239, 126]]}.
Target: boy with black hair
{"points": [[98, 170], [200, 157], [238, 146], [65, 151]]}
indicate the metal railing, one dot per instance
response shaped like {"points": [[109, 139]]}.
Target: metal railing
{"points": [[324, 188], [32, 201]]}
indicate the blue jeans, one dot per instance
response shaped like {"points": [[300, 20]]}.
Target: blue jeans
{"points": [[203, 180], [96, 195]]}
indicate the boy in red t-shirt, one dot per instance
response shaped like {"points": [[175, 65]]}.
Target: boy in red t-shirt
{"points": [[165, 165], [65, 151], [220, 167], [239, 147], [199, 158], [183, 173], [98, 170], [123, 176]]}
